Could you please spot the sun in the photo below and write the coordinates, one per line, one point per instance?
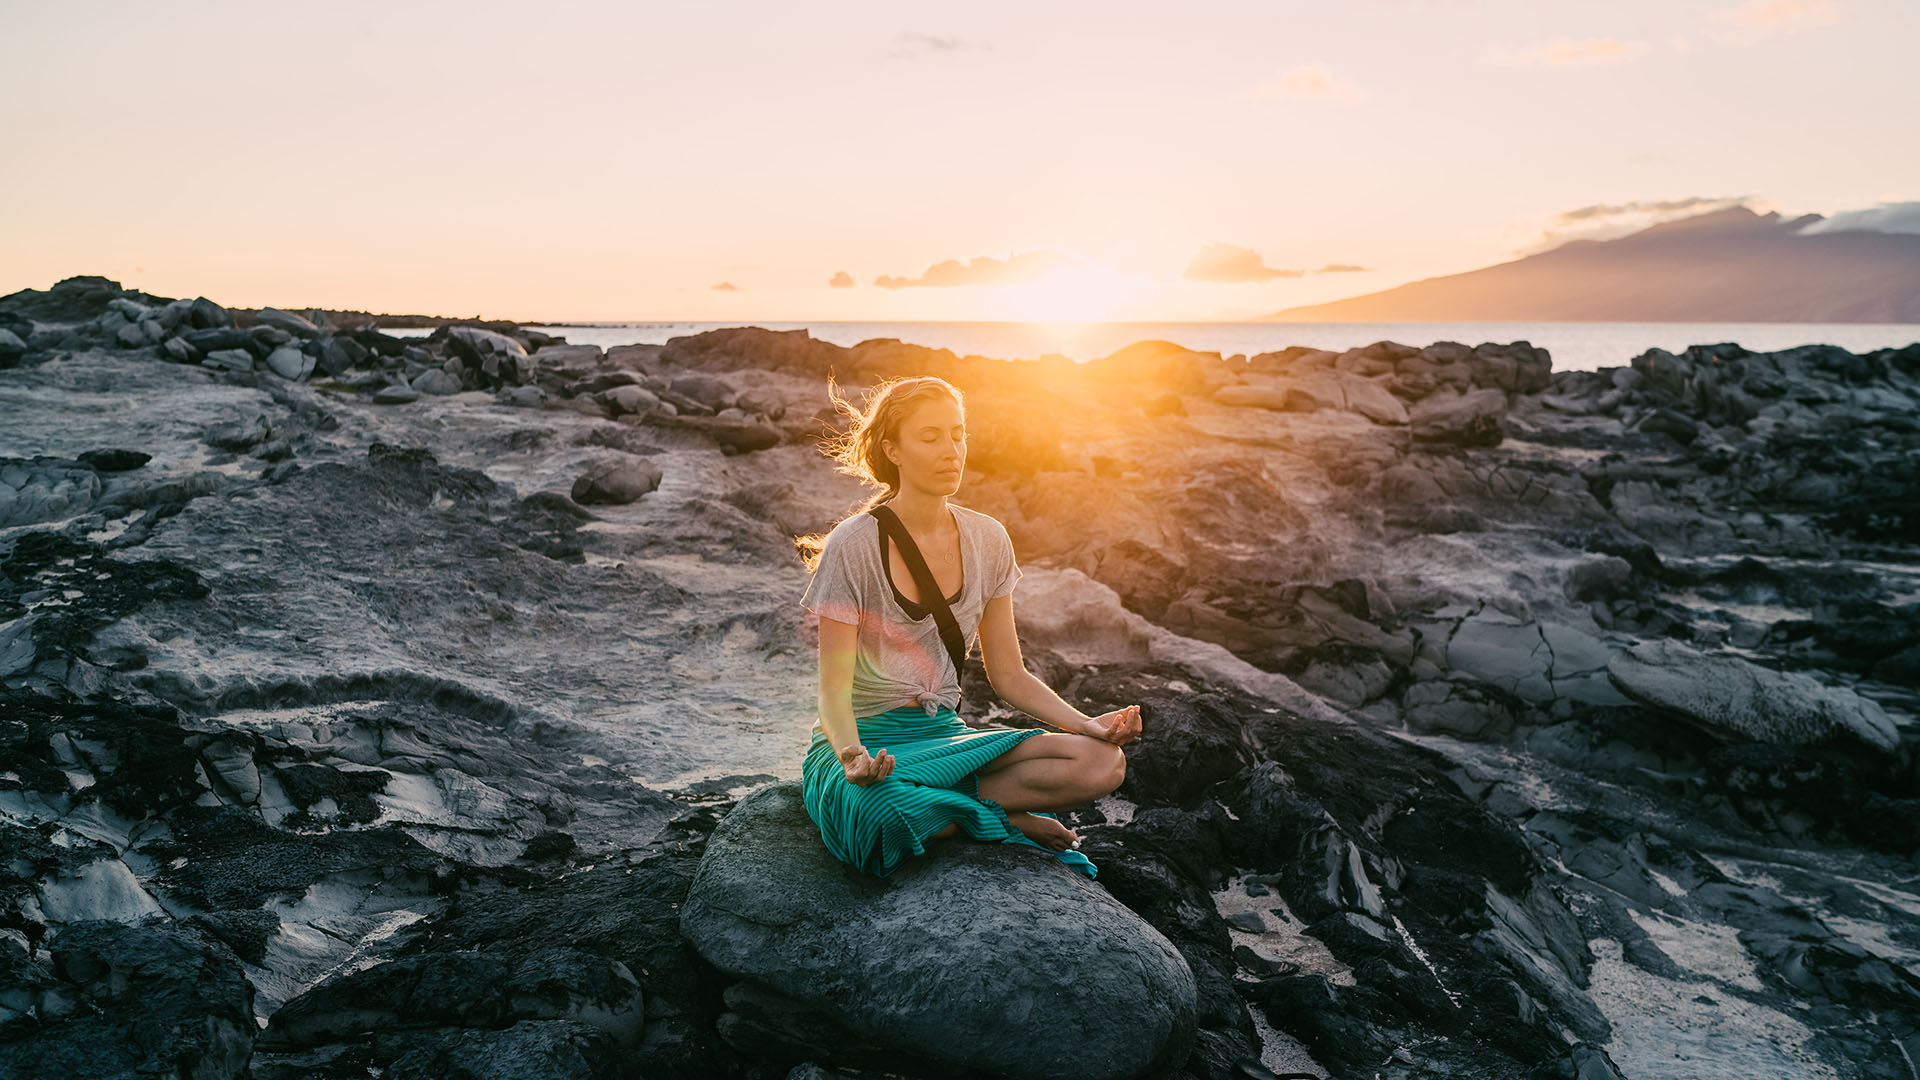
(1075, 293)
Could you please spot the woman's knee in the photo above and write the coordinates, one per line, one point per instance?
(1104, 765)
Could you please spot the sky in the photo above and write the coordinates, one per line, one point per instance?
(894, 162)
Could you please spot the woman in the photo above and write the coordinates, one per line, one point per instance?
(890, 765)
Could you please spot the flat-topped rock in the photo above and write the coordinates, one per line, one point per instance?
(982, 957)
(1731, 696)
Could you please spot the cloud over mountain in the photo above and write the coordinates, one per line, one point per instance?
(841, 280)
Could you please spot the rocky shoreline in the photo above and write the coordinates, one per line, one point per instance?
(433, 705)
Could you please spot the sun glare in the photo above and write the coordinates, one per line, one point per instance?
(1080, 293)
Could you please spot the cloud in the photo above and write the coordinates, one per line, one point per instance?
(1666, 207)
(1888, 217)
(841, 280)
(911, 44)
(1311, 81)
(1343, 268)
(984, 270)
(1233, 265)
(1605, 221)
(726, 286)
(1756, 20)
(1566, 52)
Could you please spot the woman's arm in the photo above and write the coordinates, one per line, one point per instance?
(1007, 671)
(838, 642)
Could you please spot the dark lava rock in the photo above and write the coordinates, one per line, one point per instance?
(967, 958)
(114, 460)
(122, 1001)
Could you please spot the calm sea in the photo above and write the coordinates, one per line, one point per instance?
(1580, 346)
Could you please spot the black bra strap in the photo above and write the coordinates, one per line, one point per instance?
(923, 580)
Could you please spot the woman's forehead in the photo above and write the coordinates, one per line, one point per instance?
(938, 410)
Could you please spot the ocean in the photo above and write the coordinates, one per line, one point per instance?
(1577, 346)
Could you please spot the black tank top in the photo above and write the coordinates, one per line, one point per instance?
(914, 611)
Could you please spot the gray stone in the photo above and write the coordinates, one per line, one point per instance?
(617, 484)
(395, 395)
(1731, 696)
(289, 362)
(969, 957)
(436, 381)
(288, 321)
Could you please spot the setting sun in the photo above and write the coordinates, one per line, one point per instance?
(1078, 293)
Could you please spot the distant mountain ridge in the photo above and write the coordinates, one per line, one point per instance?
(1730, 265)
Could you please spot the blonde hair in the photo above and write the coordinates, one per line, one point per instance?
(858, 450)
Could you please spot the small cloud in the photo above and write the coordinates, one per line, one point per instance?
(841, 280)
(1310, 81)
(1678, 43)
(726, 286)
(1343, 268)
(1888, 217)
(911, 44)
(984, 270)
(1756, 20)
(1566, 52)
(1233, 265)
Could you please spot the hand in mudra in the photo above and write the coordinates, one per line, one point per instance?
(1119, 727)
(863, 770)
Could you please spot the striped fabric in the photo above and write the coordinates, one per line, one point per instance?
(933, 783)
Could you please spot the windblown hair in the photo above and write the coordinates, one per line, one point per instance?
(858, 450)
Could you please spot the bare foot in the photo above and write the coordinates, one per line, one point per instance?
(1045, 831)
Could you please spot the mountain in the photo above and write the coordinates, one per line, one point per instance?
(1726, 266)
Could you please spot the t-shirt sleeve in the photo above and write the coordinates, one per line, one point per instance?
(1010, 567)
(834, 590)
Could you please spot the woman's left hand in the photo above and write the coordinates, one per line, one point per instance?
(1119, 727)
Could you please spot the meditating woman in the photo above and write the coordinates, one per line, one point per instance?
(891, 766)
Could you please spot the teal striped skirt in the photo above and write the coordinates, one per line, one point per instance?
(933, 784)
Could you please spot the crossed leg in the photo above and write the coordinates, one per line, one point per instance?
(1050, 771)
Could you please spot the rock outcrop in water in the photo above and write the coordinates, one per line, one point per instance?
(367, 737)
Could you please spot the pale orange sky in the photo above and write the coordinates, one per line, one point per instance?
(617, 161)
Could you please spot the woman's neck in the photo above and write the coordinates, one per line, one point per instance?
(922, 513)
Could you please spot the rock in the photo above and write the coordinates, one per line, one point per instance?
(45, 489)
(464, 989)
(1457, 707)
(1669, 422)
(617, 484)
(121, 1001)
(290, 363)
(229, 360)
(523, 397)
(529, 1050)
(236, 435)
(711, 391)
(395, 395)
(1475, 418)
(204, 314)
(1735, 698)
(629, 399)
(436, 381)
(1354, 393)
(114, 460)
(967, 957)
(288, 321)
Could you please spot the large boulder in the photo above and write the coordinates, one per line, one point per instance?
(987, 958)
(1732, 697)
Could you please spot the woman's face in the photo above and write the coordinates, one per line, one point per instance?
(931, 449)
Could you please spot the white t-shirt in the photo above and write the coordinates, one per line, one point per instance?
(900, 660)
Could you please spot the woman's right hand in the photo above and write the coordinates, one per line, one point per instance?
(864, 770)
